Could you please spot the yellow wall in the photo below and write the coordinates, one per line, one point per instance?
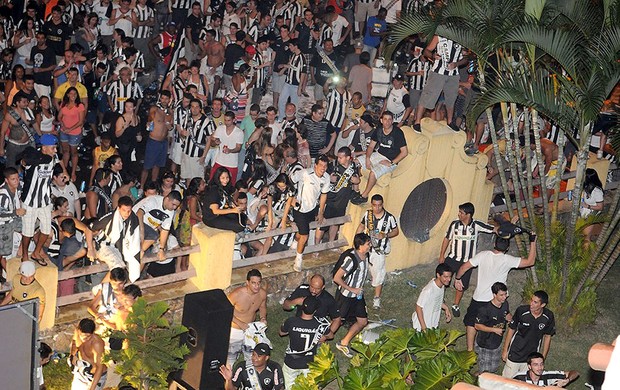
(436, 153)
(213, 263)
(48, 278)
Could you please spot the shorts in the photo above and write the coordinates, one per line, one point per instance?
(191, 167)
(488, 359)
(351, 307)
(378, 168)
(454, 266)
(308, 59)
(6, 238)
(436, 84)
(513, 368)
(156, 269)
(72, 140)
(155, 154)
(377, 268)
(318, 92)
(302, 220)
(365, 10)
(472, 312)
(290, 374)
(277, 82)
(333, 211)
(176, 150)
(150, 233)
(414, 97)
(42, 214)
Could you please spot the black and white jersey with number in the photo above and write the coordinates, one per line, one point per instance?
(120, 92)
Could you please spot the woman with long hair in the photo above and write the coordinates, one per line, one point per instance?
(591, 202)
(168, 183)
(220, 211)
(46, 117)
(71, 117)
(98, 196)
(126, 130)
(239, 91)
(24, 40)
(279, 200)
(15, 84)
(115, 165)
(190, 214)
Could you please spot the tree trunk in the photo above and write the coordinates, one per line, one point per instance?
(546, 254)
(582, 161)
(558, 176)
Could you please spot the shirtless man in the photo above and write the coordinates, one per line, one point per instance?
(214, 58)
(156, 153)
(247, 300)
(87, 348)
(18, 137)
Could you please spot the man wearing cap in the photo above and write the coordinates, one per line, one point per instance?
(305, 333)
(20, 129)
(26, 287)
(259, 373)
(397, 101)
(493, 266)
(363, 135)
(37, 197)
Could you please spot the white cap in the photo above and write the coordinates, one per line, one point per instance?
(27, 268)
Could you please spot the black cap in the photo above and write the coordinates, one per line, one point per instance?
(311, 303)
(262, 349)
(368, 118)
(399, 77)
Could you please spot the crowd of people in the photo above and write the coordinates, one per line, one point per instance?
(176, 112)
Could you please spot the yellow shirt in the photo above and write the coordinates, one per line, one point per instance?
(62, 89)
(22, 293)
(101, 156)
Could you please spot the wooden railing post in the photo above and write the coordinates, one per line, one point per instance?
(213, 263)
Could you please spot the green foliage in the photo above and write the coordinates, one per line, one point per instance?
(550, 280)
(400, 359)
(153, 349)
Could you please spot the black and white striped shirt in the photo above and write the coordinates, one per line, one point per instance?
(463, 238)
(180, 117)
(417, 65)
(9, 202)
(143, 14)
(353, 277)
(119, 92)
(203, 33)
(261, 74)
(449, 52)
(139, 62)
(199, 131)
(373, 226)
(275, 12)
(71, 9)
(182, 4)
(37, 191)
(297, 65)
(178, 87)
(337, 107)
(294, 11)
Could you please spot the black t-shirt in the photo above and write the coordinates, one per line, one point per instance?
(529, 332)
(494, 317)
(43, 58)
(322, 71)
(327, 303)
(304, 336)
(196, 24)
(57, 34)
(282, 53)
(213, 196)
(232, 54)
(357, 140)
(307, 44)
(271, 378)
(388, 145)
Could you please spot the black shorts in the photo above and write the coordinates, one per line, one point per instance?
(472, 312)
(333, 212)
(351, 307)
(454, 266)
(302, 220)
(155, 269)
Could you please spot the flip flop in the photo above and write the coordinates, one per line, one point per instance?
(41, 262)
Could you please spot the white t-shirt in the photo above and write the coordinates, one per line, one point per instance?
(229, 160)
(155, 214)
(595, 197)
(70, 192)
(276, 130)
(430, 300)
(390, 18)
(338, 27)
(492, 267)
(309, 188)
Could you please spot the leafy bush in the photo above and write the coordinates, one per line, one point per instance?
(398, 359)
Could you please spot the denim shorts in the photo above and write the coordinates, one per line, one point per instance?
(72, 140)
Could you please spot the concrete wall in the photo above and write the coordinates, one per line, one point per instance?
(436, 153)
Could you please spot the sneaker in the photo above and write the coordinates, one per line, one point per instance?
(297, 264)
(294, 245)
(417, 128)
(344, 349)
(359, 200)
(376, 303)
(454, 127)
(456, 311)
(599, 154)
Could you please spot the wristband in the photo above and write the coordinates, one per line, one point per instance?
(455, 278)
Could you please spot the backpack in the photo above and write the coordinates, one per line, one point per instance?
(341, 260)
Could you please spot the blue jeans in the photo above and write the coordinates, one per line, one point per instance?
(288, 90)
